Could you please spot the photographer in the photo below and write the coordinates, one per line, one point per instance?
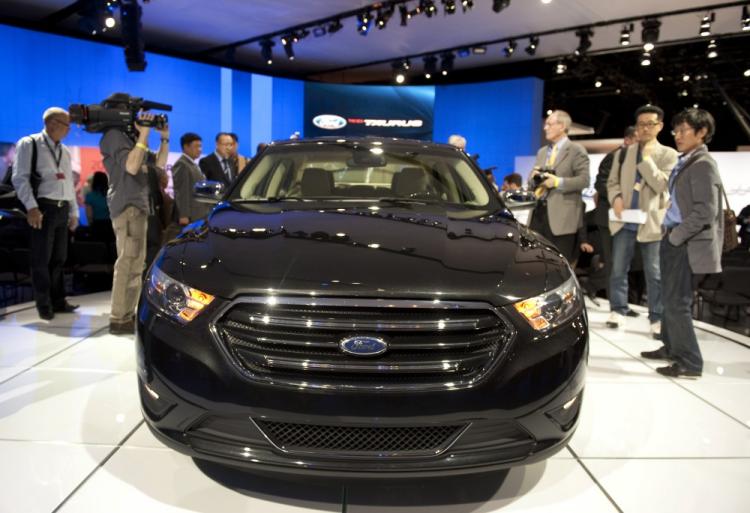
(560, 173)
(126, 153)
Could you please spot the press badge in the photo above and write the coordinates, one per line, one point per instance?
(637, 187)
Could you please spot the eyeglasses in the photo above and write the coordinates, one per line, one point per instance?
(682, 130)
(648, 124)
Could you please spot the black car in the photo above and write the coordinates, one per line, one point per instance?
(362, 308)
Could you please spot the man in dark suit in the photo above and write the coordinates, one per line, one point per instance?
(185, 173)
(692, 244)
(220, 166)
(559, 212)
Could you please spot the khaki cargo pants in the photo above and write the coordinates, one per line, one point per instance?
(130, 235)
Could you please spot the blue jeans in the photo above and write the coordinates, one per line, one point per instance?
(677, 331)
(623, 246)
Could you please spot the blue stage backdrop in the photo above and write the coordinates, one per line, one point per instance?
(350, 110)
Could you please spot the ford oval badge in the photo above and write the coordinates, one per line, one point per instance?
(329, 122)
(364, 346)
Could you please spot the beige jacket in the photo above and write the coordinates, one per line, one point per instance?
(654, 193)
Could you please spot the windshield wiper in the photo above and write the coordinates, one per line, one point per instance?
(409, 201)
(272, 199)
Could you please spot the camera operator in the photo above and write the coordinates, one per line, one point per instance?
(126, 154)
(43, 180)
(560, 173)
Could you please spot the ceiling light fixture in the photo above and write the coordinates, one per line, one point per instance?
(625, 35)
(510, 48)
(384, 15)
(712, 51)
(705, 27)
(584, 40)
(499, 5)
(449, 6)
(335, 26)
(446, 63)
(467, 5)
(479, 50)
(650, 33)
(399, 73)
(598, 83)
(428, 7)
(405, 15)
(646, 59)
(364, 20)
(287, 42)
(533, 44)
(266, 51)
(561, 67)
(745, 20)
(430, 66)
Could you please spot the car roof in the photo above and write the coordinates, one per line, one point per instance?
(390, 141)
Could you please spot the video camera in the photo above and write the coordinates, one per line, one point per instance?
(119, 110)
(544, 173)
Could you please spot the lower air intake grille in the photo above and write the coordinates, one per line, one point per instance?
(360, 441)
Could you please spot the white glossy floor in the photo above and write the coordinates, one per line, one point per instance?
(72, 437)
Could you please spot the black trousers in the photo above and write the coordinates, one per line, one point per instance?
(540, 223)
(49, 249)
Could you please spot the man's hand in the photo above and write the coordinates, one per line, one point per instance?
(534, 172)
(549, 183)
(618, 206)
(586, 247)
(144, 116)
(648, 149)
(34, 218)
(72, 224)
(164, 132)
(184, 221)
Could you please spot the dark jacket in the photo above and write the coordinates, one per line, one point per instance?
(213, 170)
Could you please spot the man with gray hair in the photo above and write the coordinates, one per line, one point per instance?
(43, 180)
(458, 141)
(560, 173)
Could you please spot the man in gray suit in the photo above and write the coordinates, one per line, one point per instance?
(185, 173)
(692, 245)
(639, 182)
(563, 168)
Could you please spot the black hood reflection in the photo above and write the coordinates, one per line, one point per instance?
(365, 250)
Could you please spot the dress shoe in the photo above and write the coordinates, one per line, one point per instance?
(65, 308)
(122, 328)
(615, 320)
(656, 330)
(678, 371)
(632, 313)
(46, 314)
(659, 354)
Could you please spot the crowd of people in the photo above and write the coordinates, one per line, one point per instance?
(648, 196)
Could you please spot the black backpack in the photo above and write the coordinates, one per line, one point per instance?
(34, 179)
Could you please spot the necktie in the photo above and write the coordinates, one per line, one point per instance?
(227, 169)
(552, 156)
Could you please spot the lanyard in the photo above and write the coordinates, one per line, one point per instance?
(56, 156)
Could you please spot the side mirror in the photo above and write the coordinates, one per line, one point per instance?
(208, 191)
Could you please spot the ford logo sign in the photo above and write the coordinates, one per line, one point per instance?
(364, 346)
(329, 122)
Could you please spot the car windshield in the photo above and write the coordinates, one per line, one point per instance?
(368, 170)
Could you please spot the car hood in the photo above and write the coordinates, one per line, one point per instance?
(416, 251)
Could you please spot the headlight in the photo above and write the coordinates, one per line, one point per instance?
(179, 301)
(552, 308)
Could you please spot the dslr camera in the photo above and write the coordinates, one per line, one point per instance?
(119, 110)
(544, 173)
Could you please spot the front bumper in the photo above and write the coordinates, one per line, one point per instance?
(198, 402)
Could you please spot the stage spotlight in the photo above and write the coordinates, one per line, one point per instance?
(132, 36)
(650, 33)
(467, 5)
(364, 20)
(449, 6)
(561, 67)
(430, 66)
(745, 21)
(404, 13)
(499, 5)
(428, 7)
(463, 52)
(446, 63)
(287, 42)
(746, 73)
(712, 51)
(598, 83)
(584, 40)
(384, 15)
(510, 47)
(705, 27)
(646, 59)
(319, 31)
(266, 50)
(399, 74)
(625, 35)
(479, 50)
(335, 26)
(533, 43)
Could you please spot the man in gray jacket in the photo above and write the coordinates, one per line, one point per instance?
(564, 169)
(185, 173)
(692, 245)
(639, 182)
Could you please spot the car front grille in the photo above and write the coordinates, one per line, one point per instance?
(430, 345)
(359, 441)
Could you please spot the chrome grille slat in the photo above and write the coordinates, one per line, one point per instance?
(296, 341)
